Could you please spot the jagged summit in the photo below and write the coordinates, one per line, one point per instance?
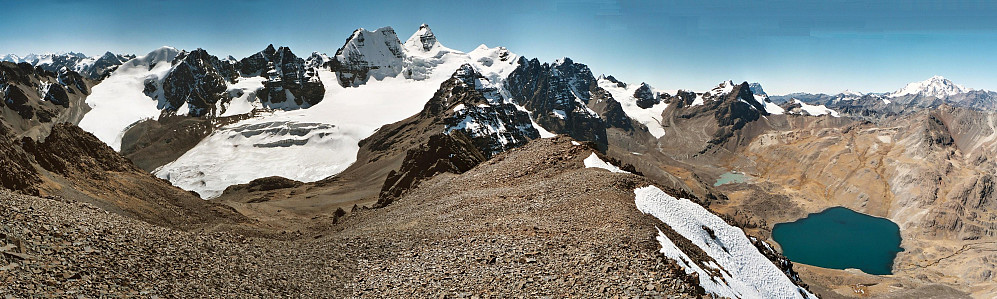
(612, 79)
(646, 96)
(756, 88)
(936, 86)
(423, 40)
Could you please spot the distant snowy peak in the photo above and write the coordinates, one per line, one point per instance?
(495, 62)
(368, 54)
(317, 60)
(936, 86)
(756, 88)
(722, 89)
(718, 92)
(423, 40)
(12, 58)
(91, 67)
(848, 92)
(162, 54)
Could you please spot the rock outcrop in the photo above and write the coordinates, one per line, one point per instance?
(558, 95)
(33, 99)
(199, 81)
(442, 153)
(645, 97)
(291, 83)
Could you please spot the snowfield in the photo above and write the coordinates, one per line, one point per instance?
(817, 110)
(593, 161)
(230, 156)
(737, 269)
(118, 102)
(650, 117)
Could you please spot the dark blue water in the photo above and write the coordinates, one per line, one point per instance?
(840, 238)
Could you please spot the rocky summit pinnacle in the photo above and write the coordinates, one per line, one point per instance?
(424, 38)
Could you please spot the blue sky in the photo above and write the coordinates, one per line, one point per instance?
(788, 46)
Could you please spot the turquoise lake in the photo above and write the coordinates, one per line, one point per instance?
(730, 178)
(840, 238)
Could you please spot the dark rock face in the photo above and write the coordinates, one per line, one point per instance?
(197, 79)
(467, 104)
(37, 97)
(739, 108)
(558, 95)
(272, 183)
(936, 133)
(318, 60)
(756, 89)
(645, 97)
(256, 64)
(427, 38)
(69, 149)
(729, 107)
(610, 111)
(368, 54)
(291, 83)
(453, 153)
(16, 99)
(466, 122)
(18, 173)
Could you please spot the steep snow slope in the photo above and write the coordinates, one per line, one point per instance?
(118, 101)
(650, 117)
(340, 121)
(737, 268)
(770, 107)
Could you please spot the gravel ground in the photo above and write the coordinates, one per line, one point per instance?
(532, 222)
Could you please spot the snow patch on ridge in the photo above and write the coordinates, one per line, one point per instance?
(817, 110)
(770, 107)
(739, 271)
(593, 161)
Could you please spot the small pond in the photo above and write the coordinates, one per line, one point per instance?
(840, 238)
(731, 178)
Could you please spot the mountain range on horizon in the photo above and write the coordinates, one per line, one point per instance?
(936, 86)
(401, 168)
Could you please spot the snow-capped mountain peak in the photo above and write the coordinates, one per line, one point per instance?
(849, 92)
(368, 54)
(722, 89)
(756, 88)
(12, 58)
(936, 86)
(423, 40)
